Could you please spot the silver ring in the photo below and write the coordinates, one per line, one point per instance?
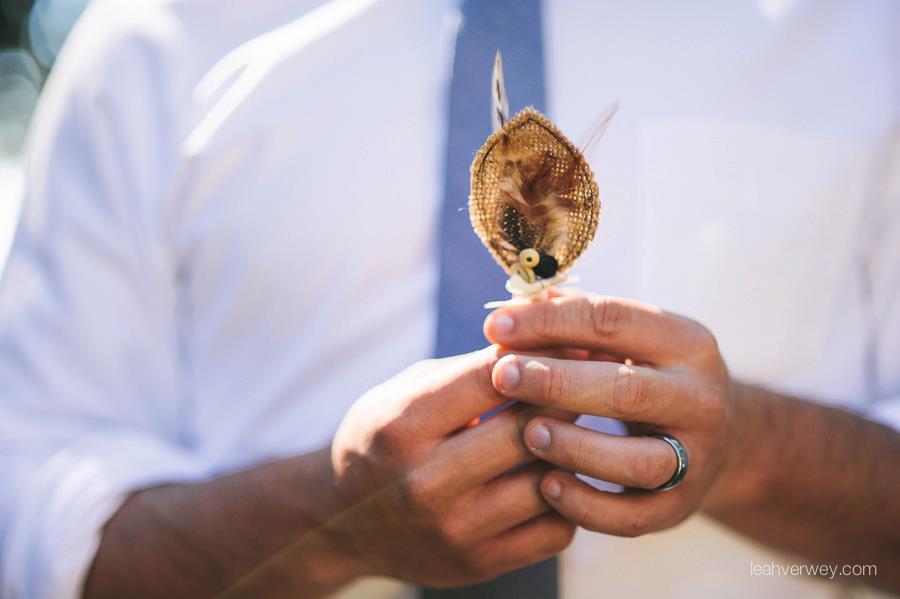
(682, 457)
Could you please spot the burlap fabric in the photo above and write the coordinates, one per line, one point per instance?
(532, 188)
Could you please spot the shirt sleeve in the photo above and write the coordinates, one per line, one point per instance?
(882, 267)
(90, 394)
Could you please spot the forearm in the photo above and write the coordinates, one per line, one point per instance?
(813, 480)
(260, 532)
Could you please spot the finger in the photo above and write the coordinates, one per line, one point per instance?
(560, 353)
(484, 452)
(453, 391)
(638, 462)
(602, 356)
(457, 390)
(506, 502)
(632, 393)
(620, 514)
(529, 543)
(622, 327)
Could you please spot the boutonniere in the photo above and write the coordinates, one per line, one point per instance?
(534, 200)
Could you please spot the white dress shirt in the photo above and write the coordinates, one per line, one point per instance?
(229, 235)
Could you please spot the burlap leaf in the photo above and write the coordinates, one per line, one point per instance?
(532, 188)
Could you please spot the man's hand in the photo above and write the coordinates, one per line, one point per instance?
(661, 372)
(803, 477)
(407, 489)
(431, 500)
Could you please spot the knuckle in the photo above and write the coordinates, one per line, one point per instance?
(387, 439)
(676, 518)
(564, 537)
(556, 382)
(545, 318)
(649, 471)
(584, 518)
(557, 537)
(629, 393)
(451, 533)
(636, 525)
(552, 320)
(709, 397)
(581, 454)
(704, 341)
(607, 317)
(714, 405)
(472, 564)
(568, 536)
(420, 489)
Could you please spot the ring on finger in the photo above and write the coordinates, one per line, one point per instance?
(682, 457)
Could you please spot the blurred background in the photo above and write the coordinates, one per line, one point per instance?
(31, 35)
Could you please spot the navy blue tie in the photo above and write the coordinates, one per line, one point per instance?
(468, 274)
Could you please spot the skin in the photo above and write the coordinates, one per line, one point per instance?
(816, 481)
(407, 489)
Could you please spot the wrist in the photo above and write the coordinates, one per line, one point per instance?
(741, 480)
(300, 505)
(322, 509)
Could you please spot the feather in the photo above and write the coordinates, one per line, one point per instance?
(532, 188)
(596, 132)
(534, 200)
(499, 101)
(535, 187)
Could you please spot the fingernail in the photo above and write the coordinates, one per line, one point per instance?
(553, 490)
(502, 325)
(538, 437)
(509, 376)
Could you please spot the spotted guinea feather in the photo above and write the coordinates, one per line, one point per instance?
(534, 186)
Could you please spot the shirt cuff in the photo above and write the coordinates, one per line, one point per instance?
(886, 411)
(62, 504)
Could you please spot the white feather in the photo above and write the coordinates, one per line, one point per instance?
(499, 101)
